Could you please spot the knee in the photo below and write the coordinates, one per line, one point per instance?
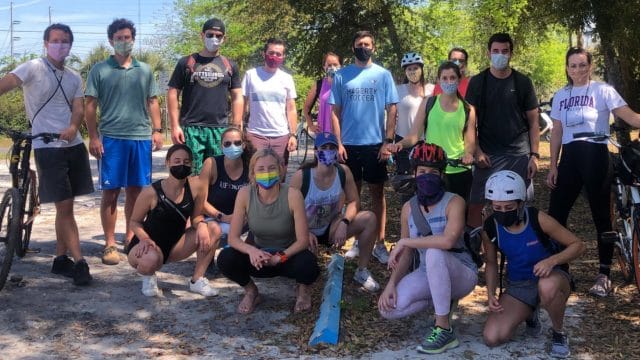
(368, 218)
(548, 291)
(149, 264)
(491, 337)
(225, 259)
(435, 256)
(214, 230)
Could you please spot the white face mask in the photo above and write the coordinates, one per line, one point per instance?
(499, 61)
(212, 44)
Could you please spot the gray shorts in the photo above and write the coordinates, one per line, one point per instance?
(518, 164)
(526, 291)
(63, 173)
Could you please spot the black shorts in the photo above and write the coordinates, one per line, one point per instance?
(363, 162)
(63, 173)
(526, 291)
(165, 246)
(324, 237)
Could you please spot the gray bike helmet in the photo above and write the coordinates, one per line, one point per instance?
(411, 58)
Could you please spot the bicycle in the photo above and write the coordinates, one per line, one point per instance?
(20, 203)
(546, 124)
(306, 140)
(625, 205)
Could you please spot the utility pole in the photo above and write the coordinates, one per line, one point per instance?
(49, 15)
(11, 29)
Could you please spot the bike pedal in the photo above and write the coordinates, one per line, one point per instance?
(609, 237)
(33, 250)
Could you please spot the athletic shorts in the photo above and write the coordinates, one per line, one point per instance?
(165, 245)
(204, 142)
(363, 162)
(63, 173)
(526, 291)
(518, 164)
(125, 163)
(277, 143)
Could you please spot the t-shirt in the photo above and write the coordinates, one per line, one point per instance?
(40, 81)
(267, 94)
(408, 107)
(205, 92)
(585, 109)
(322, 206)
(462, 87)
(363, 94)
(445, 129)
(503, 127)
(122, 96)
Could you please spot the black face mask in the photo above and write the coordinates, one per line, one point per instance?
(363, 54)
(180, 171)
(507, 218)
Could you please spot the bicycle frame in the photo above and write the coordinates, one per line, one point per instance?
(20, 164)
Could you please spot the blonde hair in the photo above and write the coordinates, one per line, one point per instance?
(261, 154)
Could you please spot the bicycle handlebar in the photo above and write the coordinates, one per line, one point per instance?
(16, 135)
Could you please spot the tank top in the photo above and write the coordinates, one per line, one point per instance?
(523, 250)
(324, 108)
(271, 224)
(437, 219)
(222, 193)
(322, 206)
(445, 129)
(167, 220)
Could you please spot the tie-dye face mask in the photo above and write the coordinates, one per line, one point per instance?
(267, 179)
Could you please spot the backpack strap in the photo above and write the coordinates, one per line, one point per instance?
(418, 219)
(431, 102)
(342, 175)
(227, 65)
(306, 179)
(190, 67)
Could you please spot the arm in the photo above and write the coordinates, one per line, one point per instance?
(296, 206)
(90, 109)
(470, 137)
(390, 133)
(534, 140)
(177, 136)
(154, 112)
(308, 104)
(237, 107)
(292, 118)
(556, 144)
(209, 175)
(203, 241)
(9, 82)
(352, 200)
(574, 247)
(336, 111)
(144, 203)
(491, 272)
(77, 113)
(629, 116)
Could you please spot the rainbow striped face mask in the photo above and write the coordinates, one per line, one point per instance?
(267, 179)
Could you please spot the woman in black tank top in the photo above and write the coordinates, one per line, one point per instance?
(159, 221)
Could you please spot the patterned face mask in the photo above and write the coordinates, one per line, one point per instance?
(267, 179)
(327, 157)
(430, 189)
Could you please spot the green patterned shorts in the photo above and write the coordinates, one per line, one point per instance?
(204, 142)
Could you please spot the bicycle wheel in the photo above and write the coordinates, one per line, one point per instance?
(9, 231)
(635, 252)
(30, 211)
(621, 222)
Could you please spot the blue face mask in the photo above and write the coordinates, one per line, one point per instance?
(327, 157)
(449, 88)
(499, 61)
(430, 188)
(232, 151)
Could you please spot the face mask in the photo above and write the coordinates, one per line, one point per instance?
(457, 62)
(273, 61)
(507, 218)
(430, 189)
(499, 61)
(327, 157)
(267, 179)
(449, 88)
(414, 76)
(363, 54)
(58, 51)
(180, 171)
(232, 151)
(212, 44)
(123, 48)
(331, 71)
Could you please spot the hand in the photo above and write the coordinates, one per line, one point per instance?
(258, 258)
(392, 148)
(69, 133)
(494, 304)
(544, 267)
(340, 235)
(292, 145)
(394, 256)
(467, 159)
(388, 299)
(157, 141)
(482, 159)
(273, 260)
(95, 148)
(177, 136)
(226, 218)
(311, 127)
(313, 243)
(533, 167)
(552, 177)
(342, 154)
(143, 247)
(383, 154)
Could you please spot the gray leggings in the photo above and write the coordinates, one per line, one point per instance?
(442, 279)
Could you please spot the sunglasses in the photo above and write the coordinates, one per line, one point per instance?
(462, 61)
(228, 143)
(274, 53)
(210, 35)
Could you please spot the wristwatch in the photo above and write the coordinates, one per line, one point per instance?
(157, 130)
(345, 221)
(219, 216)
(294, 136)
(535, 155)
(283, 256)
(388, 140)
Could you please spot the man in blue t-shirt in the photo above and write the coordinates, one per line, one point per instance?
(360, 94)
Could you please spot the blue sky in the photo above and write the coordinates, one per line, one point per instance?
(88, 20)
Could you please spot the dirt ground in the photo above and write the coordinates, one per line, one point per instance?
(44, 316)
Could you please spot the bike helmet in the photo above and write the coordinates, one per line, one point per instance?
(411, 58)
(505, 185)
(431, 155)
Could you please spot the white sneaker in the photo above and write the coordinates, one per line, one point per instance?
(380, 252)
(150, 286)
(366, 280)
(202, 287)
(354, 252)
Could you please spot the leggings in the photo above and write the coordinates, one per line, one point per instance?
(585, 164)
(442, 279)
(236, 266)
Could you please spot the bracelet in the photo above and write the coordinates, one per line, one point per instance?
(219, 216)
(388, 140)
(283, 257)
(535, 155)
(157, 130)
(293, 136)
(346, 221)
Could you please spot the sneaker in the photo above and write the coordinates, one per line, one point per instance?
(202, 287)
(354, 252)
(81, 275)
(62, 265)
(366, 280)
(559, 345)
(602, 287)
(534, 327)
(110, 256)
(380, 252)
(150, 286)
(438, 341)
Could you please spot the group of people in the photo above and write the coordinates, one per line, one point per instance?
(225, 179)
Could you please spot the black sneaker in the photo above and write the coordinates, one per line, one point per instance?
(63, 265)
(81, 274)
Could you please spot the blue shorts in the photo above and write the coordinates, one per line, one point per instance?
(124, 163)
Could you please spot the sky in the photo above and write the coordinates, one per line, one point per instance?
(88, 20)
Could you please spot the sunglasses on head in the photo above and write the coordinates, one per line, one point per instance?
(210, 35)
(228, 143)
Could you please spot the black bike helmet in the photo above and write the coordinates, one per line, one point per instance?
(431, 155)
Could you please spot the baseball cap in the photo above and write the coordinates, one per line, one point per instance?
(325, 138)
(213, 24)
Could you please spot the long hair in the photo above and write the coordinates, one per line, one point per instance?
(573, 51)
(248, 146)
(451, 65)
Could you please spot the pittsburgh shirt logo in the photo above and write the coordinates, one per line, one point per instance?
(208, 75)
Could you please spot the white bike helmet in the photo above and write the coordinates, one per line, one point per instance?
(505, 185)
(411, 58)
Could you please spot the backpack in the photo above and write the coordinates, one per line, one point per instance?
(431, 102)
(471, 239)
(490, 227)
(191, 64)
(306, 179)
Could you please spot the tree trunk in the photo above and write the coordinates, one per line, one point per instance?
(393, 32)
